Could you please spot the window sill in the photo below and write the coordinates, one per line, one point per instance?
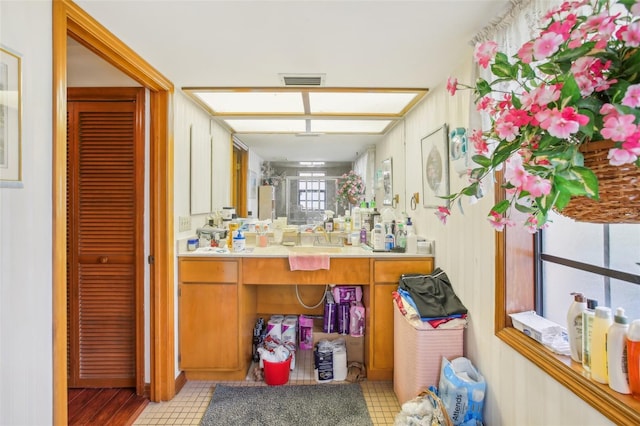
(621, 409)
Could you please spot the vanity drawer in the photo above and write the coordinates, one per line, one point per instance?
(389, 271)
(208, 271)
(270, 271)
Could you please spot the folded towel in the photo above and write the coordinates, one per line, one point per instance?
(308, 262)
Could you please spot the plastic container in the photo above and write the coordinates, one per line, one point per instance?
(601, 324)
(239, 241)
(617, 353)
(574, 325)
(633, 357)
(587, 324)
(277, 373)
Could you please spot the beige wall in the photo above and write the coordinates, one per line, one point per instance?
(518, 392)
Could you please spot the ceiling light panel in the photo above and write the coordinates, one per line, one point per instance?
(349, 126)
(267, 126)
(253, 102)
(359, 102)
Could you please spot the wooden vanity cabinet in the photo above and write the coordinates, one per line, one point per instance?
(209, 317)
(386, 274)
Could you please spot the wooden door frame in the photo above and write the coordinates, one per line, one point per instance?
(70, 20)
(239, 179)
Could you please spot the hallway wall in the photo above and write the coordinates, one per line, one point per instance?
(25, 228)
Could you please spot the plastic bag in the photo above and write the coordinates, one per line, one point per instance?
(462, 389)
(426, 409)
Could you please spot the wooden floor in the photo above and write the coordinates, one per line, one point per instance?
(105, 406)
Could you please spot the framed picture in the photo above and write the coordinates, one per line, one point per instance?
(387, 182)
(435, 167)
(10, 118)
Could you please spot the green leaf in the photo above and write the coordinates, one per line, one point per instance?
(549, 68)
(482, 87)
(504, 151)
(562, 200)
(570, 91)
(503, 70)
(481, 160)
(570, 187)
(501, 207)
(569, 55)
(523, 208)
(589, 181)
(470, 190)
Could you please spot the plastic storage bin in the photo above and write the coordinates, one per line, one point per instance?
(417, 355)
(276, 373)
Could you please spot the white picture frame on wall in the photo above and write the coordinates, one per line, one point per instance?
(435, 167)
(10, 118)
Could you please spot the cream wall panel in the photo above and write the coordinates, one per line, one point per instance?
(518, 393)
(26, 379)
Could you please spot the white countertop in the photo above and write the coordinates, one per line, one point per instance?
(284, 251)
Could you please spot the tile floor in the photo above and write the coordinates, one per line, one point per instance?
(188, 407)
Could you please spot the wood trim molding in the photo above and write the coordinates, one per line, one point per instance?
(69, 20)
(514, 292)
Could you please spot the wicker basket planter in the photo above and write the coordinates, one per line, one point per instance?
(619, 188)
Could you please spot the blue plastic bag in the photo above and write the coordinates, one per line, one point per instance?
(462, 389)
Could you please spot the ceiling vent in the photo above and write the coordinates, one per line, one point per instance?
(297, 80)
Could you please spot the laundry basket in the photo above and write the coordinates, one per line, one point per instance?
(417, 355)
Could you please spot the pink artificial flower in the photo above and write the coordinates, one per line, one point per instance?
(518, 117)
(537, 186)
(479, 142)
(514, 172)
(452, 85)
(498, 222)
(619, 156)
(631, 34)
(561, 124)
(485, 52)
(546, 45)
(608, 110)
(506, 130)
(618, 128)
(632, 144)
(525, 53)
(632, 96)
(442, 213)
(635, 9)
(485, 103)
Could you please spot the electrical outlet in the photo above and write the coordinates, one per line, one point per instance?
(184, 223)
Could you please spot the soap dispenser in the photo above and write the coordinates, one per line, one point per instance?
(617, 353)
(574, 325)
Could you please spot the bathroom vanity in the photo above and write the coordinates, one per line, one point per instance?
(222, 295)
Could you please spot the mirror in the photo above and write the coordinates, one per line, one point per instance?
(387, 182)
(200, 169)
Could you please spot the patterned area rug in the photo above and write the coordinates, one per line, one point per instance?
(304, 405)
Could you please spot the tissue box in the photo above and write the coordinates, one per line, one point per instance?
(535, 326)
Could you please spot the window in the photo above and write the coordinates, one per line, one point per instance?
(515, 292)
(312, 191)
(602, 261)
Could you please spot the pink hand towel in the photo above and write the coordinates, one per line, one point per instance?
(308, 262)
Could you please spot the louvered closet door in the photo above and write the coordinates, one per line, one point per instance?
(105, 199)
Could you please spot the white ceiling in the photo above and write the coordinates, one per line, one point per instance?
(355, 43)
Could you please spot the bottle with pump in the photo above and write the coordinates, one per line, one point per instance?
(617, 353)
(587, 325)
(633, 357)
(377, 236)
(601, 324)
(328, 224)
(238, 241)
(574, 325)
(412, 238)
(401, 237)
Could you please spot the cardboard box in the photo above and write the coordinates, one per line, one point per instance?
(355, 345)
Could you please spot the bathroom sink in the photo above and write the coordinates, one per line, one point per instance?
(315, 249)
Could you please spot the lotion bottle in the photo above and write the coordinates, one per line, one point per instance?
(633, 357)
(587, 325)
(601, 324)
(617, 353)
(412, 238)
(574, 325)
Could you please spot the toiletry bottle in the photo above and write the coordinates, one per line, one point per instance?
(389, 241)
(574, 325)
(347, 222)
(617, 353)
(601, 324)
(412, 238)
(356, 220)
(328, 224)
(375, 214)
(401, 238)
(377, 235)
(238, 241)
(633, 357)
(363, 235)
(587, 324)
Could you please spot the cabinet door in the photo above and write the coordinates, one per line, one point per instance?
(209, 327)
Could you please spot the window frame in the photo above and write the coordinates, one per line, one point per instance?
(515, 270)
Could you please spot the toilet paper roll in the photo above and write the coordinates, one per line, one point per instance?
(339, 363)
